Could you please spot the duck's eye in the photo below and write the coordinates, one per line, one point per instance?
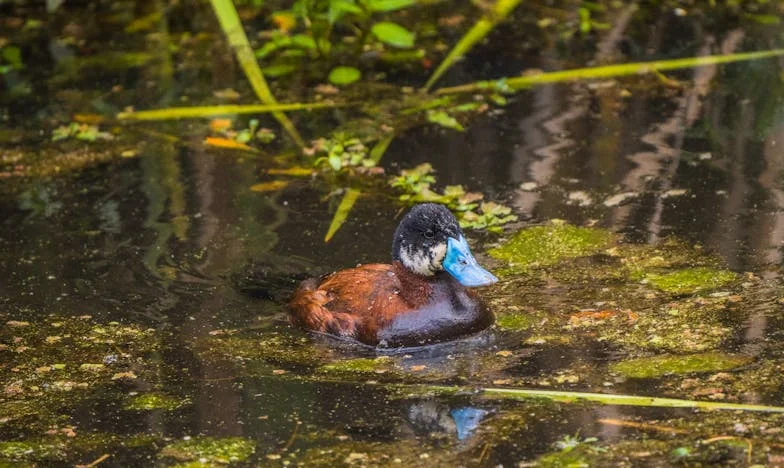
(430, 234)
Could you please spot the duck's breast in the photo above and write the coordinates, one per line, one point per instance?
(452, 312)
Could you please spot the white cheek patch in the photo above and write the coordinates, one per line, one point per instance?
(418, 262)
(439, 252)
(424, 263)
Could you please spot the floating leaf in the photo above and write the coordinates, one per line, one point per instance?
(220, 125)
(342, 76)
(292, 171)
(227, 143)
(271, 186)
(393, 34)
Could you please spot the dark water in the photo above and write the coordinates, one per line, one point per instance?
(173, 239)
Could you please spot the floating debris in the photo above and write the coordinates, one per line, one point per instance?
(620, 199)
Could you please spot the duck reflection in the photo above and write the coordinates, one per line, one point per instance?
(430, 416)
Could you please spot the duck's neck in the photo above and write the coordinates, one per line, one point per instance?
(414, 288)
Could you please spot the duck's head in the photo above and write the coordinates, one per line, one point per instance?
(429, 240)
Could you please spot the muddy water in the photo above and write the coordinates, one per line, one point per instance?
(171, 243)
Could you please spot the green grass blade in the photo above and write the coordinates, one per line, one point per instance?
(486, 23)
(609, 71)
(350, 197)
(232, 28)
(407, 390)
(348, 201)
(380, 148)
(213, 111)
(623, 400)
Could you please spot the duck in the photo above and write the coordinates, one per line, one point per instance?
(424, 296)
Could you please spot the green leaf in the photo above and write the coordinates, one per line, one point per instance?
(445, 120)
(388, 5)
(342, 213)
(344, 75)
(393, 34)
(12, 55)
(335, 162)
(338, 8)
(279, 70)
(303, 41)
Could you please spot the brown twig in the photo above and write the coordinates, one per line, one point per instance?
(485, 451)
(293, 436)
(642, 425)
(96, 462)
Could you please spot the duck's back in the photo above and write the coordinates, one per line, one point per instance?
(354, 303)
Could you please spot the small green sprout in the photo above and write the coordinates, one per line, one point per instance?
(79, 131)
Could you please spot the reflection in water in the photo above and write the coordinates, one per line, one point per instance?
(430, 416)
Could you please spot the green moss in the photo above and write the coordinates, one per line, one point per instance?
(153, 401)
(547, 245)
(516, 321)
(360, 365)
(658, 366)
(691, 280)
(208, 449)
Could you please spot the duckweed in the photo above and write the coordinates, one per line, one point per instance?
(210, 450)
(658, 366)
(691, 280)
(547, 245)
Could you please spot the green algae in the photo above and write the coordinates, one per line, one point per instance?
(380, 364)
(32, 450)
(271, 347)
(691, 325)
(516, 321)
(691, 280)
(658, 366)
(55, 364)
(154, 401)
(541, 246)
(210, 450)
